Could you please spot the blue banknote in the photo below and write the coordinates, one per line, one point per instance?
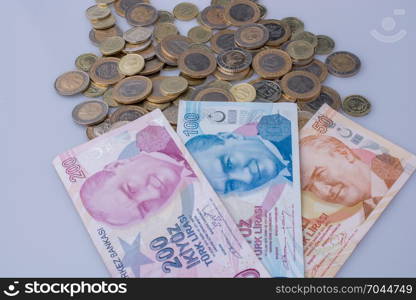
(250, 154)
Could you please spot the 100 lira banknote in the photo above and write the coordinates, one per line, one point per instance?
(149, 209)
(250, 155)
(349, 176)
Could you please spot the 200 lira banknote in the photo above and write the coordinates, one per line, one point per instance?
(149, 209)
(349, 175)
(250, 155)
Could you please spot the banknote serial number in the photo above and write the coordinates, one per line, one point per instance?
(73, 169)
(191, 124)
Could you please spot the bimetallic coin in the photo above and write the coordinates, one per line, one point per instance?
(121, 6)
(163, 58)
(149, 106)
(163, 30)
(171, 114)
(301, 86)
(90, 113)
(327, 96)
(108, 2)
(132, 89)
(119, 124)
(103, 24)
(267, 91)
(165, 17)
(174, 45)
(98, 130)
(325, 45)
(242, 12)
(214, 17)
(151, 67)
(137, 35)
(214, 94)
(173, 86)
(131, 64)
(135, 48)
(94, 90)
(98, 12)
(300, 50)
(157, 95)
(279, 32)
(272, 63)
(200, 34)
(234, 61)
(105, 71)
(252, 36)
(200, 46)
(356, 106)
(223, 40)
(112, 45)
(127, 113)
(316, 67)
(85, 61)
(305, 36)
(197, 63)
(295, 24)
(193, 81)
(243, 92)
(303, 118)
(221, 2)
(98, 36)
(185, 11)
(141, 15)
(343, 64)
(108, 98)
(72, 83)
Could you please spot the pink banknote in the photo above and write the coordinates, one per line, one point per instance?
(349, 175)
(148, 208)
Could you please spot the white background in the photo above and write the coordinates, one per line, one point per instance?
(41, 233)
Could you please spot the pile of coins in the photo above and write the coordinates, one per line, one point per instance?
(233, 42)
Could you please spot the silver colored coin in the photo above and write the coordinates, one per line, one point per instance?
(137, 35)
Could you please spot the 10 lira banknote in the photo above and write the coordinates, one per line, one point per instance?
(149, 209)
(250, 155)
(349, 175)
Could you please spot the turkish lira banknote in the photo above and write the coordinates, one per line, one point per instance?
(250, 155)
(149, 209)
(349, 175)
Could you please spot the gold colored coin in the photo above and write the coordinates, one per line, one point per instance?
(137, 35)
(108, 98)
(242, 12)
(305, 36)
(94, 90)
(98, 130)
(85, 61)
(72, 83)
(98, 36)
(272, 63)
(157, 95)
(173, 86)
(151, 67)
(300, 50)
(107, 2)
(165, 17)
(303, 118)
(221, 84)
(163, 30)
(98, 12)
(105, 71)
(243, 92)
(132, 89)
(193, 81)
(131, 64)
(185, 11)
(103, 24)
(200, 34)
(112, 45)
